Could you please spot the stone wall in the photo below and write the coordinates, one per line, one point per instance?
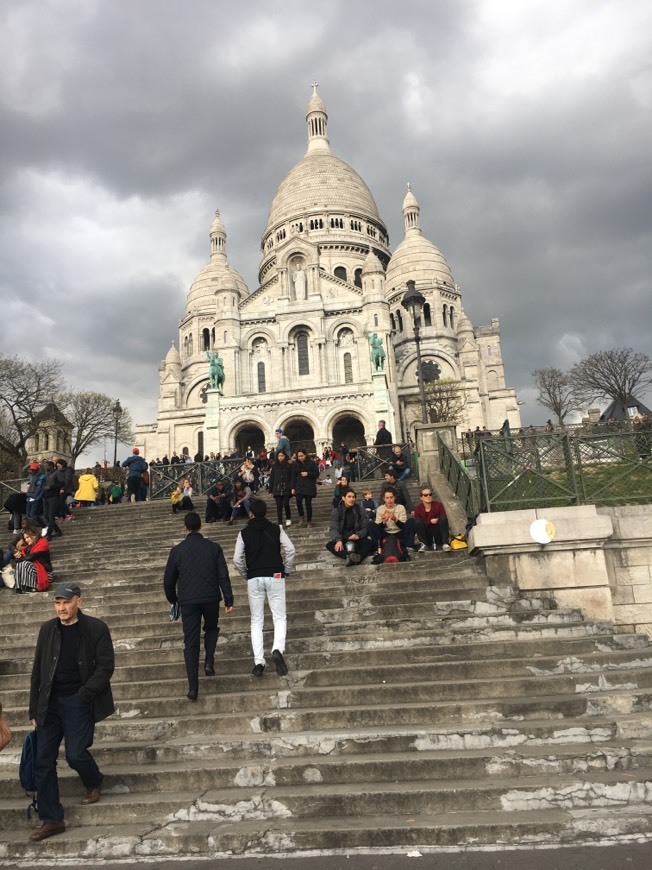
(628, 555)
(599, 560)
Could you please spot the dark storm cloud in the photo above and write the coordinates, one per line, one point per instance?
(524, 129)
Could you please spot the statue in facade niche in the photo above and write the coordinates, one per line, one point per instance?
(299, 280)
(215, 371)
(377, 352)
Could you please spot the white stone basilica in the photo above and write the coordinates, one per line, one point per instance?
(296, 351)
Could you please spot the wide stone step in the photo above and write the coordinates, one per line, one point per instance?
(425, 766)
(563, 792)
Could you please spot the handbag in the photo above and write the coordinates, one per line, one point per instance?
(9, 577)
(5, 733)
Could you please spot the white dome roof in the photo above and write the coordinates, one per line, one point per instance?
(418, 259)
(217, 275)
(319, 182)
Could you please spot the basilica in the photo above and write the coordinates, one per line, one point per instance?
(322, 348)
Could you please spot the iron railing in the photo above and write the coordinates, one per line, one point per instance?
(561, 468)
(463, 483)
(163, 479)
(372, 462)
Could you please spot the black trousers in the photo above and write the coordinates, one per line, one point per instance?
(308, 501)
(364, 546)
(429, 534)
(282, 503)
(191, 618)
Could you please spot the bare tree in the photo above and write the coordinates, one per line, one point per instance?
(445, 400)
(25, 389)
(556, 392)
(620, 374)
(91, 415)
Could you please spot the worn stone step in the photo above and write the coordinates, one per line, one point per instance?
(186, 773)
(611, 788)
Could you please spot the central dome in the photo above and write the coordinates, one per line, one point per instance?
(321, 181)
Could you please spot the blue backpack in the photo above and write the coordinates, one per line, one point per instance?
(27, 770)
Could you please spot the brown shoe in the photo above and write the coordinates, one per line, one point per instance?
(92, 795)
(48, 829)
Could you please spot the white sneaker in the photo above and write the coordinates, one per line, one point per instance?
(421, 548)
(289, 523)
(446, 548)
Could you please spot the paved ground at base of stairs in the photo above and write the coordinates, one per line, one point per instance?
(637, 856)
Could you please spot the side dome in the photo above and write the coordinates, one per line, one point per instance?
(213, 277)
(217, 275)
(416, 258)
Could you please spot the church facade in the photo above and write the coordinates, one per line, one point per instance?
(322, 348)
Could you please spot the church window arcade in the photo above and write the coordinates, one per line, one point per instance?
(337, 223)
(357, 280)
(317, 224)
(206, 339)
(340, 272)
(356, 226)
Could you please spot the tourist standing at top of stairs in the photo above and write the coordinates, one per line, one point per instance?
(135, 465)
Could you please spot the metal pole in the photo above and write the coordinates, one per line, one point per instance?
(115, 441)
(422, 392)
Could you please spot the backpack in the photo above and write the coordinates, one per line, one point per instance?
(458, 542)
(27, 770)
(392, 551)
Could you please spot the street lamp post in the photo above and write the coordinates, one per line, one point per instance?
(117, 413)
(413, 303)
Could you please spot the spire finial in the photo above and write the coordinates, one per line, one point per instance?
(314, 86)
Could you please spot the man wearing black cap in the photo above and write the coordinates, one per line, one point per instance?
(70, 691)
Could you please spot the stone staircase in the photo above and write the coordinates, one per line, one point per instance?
(422, 708)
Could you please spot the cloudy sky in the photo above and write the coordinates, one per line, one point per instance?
(524, 127)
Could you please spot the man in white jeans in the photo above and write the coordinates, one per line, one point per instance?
(264, 555)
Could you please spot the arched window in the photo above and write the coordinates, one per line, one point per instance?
(261, 377)
(340, 272)
(399, 318)
(185, 346)
(46, 439)
(375, 320)
(302, 353)
(206, 338)
(213, 337)
(444, 313)
(348, 369)
(190, 344)
(358, 278)
(452, 316)
(36, 442)
(393, 322)
(427, 316)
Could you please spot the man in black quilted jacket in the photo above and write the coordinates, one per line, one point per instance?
(197, 577)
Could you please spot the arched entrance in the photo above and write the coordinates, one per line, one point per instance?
(249, 435)
(300, 434)
(349, 430)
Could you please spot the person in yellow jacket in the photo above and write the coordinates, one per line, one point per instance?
(87, 490)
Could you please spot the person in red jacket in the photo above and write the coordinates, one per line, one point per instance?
(431, 522)
(33, 566)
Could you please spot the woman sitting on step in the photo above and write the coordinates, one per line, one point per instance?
(32, 564)
(181, 498)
